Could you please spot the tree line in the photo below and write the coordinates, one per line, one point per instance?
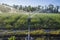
(42, 9)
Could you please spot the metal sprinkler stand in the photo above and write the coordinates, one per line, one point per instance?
(29, 20)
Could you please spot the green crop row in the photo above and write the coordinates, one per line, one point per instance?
(35, 32)
(37, 21)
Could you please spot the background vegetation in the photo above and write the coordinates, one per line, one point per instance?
(38, 9)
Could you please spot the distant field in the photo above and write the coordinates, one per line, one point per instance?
(38, 20)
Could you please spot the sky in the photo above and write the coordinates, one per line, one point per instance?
(31, 2)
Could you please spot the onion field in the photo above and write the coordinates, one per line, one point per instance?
(38, 20)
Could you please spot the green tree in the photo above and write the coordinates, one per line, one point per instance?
(25, 8)
(20, 8)
(29, 8)
(50, 7)
(15, 6)
(39, 7)
(56, 9)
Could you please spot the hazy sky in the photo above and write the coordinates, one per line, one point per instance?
(31, 2)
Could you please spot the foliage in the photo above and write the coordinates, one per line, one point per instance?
(39, 39)
(12, 38)
(33, 32)
(55, 32)
(44, 9)
(37, 21)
